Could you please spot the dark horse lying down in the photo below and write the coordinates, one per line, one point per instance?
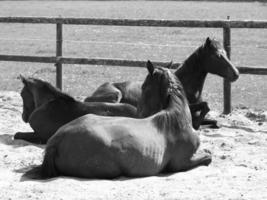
(208, 58)
(95, 146)
(46, 109)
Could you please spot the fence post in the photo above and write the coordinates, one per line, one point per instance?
(227, 84)
(58, 55)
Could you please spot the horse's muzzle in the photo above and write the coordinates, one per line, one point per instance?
(235, 75)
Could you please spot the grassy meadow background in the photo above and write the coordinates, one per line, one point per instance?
(249, 46)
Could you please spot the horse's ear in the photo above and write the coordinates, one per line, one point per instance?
(208, 42)
(169, 65)
(26, 81)
(23, 79)
(150, 67)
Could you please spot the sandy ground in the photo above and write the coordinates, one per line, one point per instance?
(238, 169)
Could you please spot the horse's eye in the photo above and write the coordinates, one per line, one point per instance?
(143, 87)
(218, 55)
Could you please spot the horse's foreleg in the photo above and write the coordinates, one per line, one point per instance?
(198, 106)
(198, 119)
(200, 160)
(29, 137)
(185, 163)
(212, 123)
(196, 161)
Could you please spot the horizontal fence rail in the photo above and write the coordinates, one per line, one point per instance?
(137, 22)
(58, 60)
(112, 62)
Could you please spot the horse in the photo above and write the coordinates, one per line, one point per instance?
(162, 140)
(46, 109)
(208, 58)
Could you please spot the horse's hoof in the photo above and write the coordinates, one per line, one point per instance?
(196, 126)
(212, 126)
(17, 136)
(207, 160)
(215, 126)
(206, 107)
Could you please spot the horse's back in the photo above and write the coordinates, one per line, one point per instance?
(109, 109)
(101, 147)
(124, 92)
(106, 92)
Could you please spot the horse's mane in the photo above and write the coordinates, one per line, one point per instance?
(177, 115)
(56, 92)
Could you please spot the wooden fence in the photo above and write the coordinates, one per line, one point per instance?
(58, 59)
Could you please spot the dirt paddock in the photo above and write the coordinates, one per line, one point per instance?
(238, 169)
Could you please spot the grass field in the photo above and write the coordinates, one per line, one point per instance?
(249, 47)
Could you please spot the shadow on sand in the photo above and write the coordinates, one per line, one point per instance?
(29, 174)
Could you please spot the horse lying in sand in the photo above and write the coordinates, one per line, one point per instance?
(208, 58)
(47, 108)
(95, 146)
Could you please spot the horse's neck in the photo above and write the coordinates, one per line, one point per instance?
(41, 99)
(192, 76)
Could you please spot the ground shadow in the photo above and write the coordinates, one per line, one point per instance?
(33, 177)
(29, 174)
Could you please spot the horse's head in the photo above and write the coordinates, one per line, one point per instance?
(217, 62)
(27, 98)
(154, 91)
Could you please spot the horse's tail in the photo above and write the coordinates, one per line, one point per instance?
(47, 169)
(34, 173)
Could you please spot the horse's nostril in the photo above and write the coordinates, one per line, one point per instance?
(24, 118)
(236, 75)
